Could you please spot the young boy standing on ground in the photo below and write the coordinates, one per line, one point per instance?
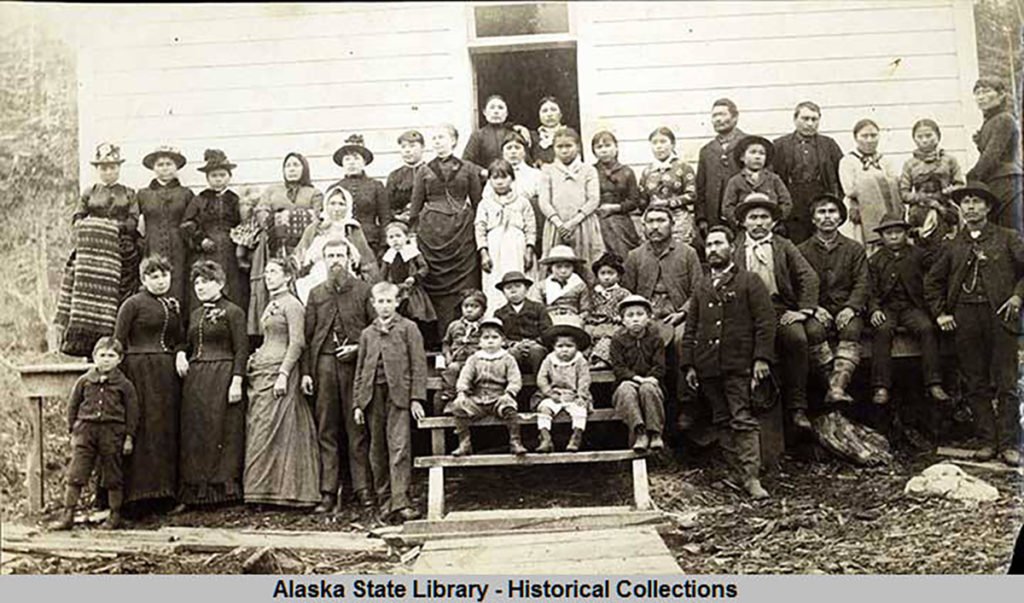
(638, 361)
(391, 384)
(103, 413)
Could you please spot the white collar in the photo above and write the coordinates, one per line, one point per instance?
(554, 290)
(557, 362)
(491, 355)
(408, 252)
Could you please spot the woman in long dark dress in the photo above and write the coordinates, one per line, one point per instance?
(151, 329)
(542, 140)
(282, 463)
(207, 225)
(620, 196)
(212, 413)
(163, 205)
(445, 194)
(999, 159)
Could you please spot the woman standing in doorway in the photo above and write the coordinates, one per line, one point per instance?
(484, 145)
(549, 112)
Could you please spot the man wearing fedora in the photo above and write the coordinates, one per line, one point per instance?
(370, 204)
(716, 164)
(808, 163)
(897, 300)
(975, 290)
(842, 268)
(524, 320)
(793, 287)
(728, 348)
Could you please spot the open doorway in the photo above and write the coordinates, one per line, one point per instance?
(523, 77)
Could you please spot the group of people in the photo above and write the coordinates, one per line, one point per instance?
(697, 287)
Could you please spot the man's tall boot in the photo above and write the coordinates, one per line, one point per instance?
(515, 443)
(465, 443)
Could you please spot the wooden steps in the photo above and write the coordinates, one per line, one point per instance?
(529, 380)
(530, 458)
(525, 418)
(495, 522)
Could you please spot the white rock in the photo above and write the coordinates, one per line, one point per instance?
(950, 481)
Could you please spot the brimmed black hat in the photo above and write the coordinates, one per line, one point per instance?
(512, 277)
(566, 324)
(757, 200)
(164, 151)
(635, 300)
(830, 198)
(746, 141)
(976, 189)
(215, 160)
(610, 260)
(891, 221)
(353, 144)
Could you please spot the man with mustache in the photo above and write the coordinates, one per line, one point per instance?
(793, 286)
(716, 164)
(664, 270)
(727, 349)
(975, 291)
(337, 311)
(842, 268)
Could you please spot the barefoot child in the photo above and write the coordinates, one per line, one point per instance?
(601, 308)
(461, 340)
(103, 412)
(563, 382)
(488, 385)
(505, 229)
(638, 360)
(403, 265)
(391, 385)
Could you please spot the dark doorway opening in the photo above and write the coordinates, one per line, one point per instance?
(523, 77)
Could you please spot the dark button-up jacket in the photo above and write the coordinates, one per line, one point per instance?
(104, 398)
(828, 152)
(640, 355)
(529, 323)
(729, 326)
(677, 264)
(888, 271)
(1001, 269)
(218, 333)
(350, 303)
(448, 192)
(116, 202)
(618, 185)
(209, 213)
(147, 324)
(842, 273)
(400, 346)
(715, 165)
(484, 145)
(998, 143)
(740, 186)
(794, 276)
(370, 206)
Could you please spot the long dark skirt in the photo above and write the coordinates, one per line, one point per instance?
(1008, 190)
(448, 245)
(619, 234)
(151, 471)
(212, 436)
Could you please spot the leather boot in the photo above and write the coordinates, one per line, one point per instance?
(465, 443)
(641, 442)
(575, 441)
(754, 489)
(655, 441)
(515, 444)
(881, 396)
(546, 445)
(938, 394)
(326, 505)
(800, 419)
(115, 521)
(840, 378)
(67, 516)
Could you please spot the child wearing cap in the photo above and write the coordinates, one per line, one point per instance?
(563, 289)
(488, 385)
(601, 308)
(399, 184)
(638, 361)
(505, 229)
(461, 340)
(403, 265)
(754, 153)
(563, 382)
(525, 321)
(928, 177)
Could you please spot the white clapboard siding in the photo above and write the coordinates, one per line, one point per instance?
(649, 64)
(259, 81)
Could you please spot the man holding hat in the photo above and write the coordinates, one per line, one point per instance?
(728, 347)
(842, 268)
(793, 286)
(975, 291)
(897, 300)
(524, 320)
(370, 205)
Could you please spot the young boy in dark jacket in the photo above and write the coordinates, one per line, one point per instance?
(391, 384)
(638, 361)
(103, 413)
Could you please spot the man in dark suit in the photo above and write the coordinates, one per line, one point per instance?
(337, 311)
(975, 291)
(793, 286)
(808, 164)
(716, 164)
(727, 348)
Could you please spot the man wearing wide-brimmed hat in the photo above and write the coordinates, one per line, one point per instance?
(370, 205)
(975, 289)
(842, 267)
(793, 286)
(897, 300)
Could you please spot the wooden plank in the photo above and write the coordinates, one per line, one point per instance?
(641, 488)
(590, 537)
(435, 493)
(36, 485)
(508, 521)
(51, 380)
(525, 418)
(553, 458)
(601, 376)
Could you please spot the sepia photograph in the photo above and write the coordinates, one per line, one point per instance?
(660, 290)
